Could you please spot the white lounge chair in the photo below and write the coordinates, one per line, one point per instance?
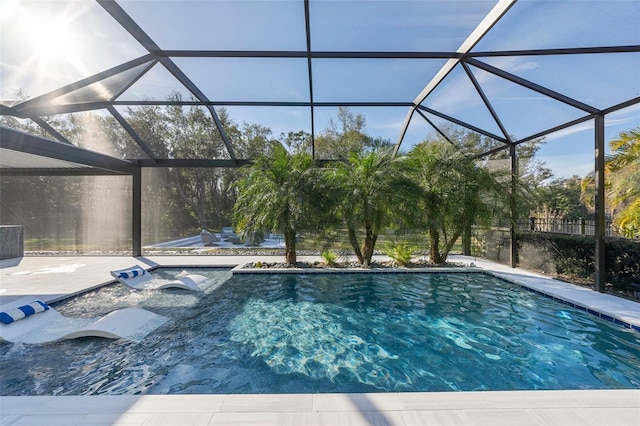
(29, 320)
(136, 277)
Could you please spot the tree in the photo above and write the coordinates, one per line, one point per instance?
(277, 194)
(561, 198)
(296, 142)
(622, 183)
(532, 173)
(370, 189)
(203, 196)
(347, 136)
(165, 214)
(250, 141)
(456, 193)
(625, 182)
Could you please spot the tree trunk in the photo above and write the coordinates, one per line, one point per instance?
(290, 247)
(368, 245)
(434, 247)
(353, 240)
(449, 245)
(466, 240)
(201, 214)
(193, 206)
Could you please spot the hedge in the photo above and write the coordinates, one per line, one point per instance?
(571, 255)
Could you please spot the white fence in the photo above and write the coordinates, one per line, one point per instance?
(579, 226)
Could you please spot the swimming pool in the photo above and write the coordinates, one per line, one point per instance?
(295, 333)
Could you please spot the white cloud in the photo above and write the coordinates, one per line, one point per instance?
(515, 65)
(612, 121)
(582, 127)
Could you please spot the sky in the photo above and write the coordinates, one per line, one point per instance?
(45, 45)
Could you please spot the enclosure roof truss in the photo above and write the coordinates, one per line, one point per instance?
(471, 59)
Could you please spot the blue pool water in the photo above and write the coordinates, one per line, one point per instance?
(291, 333)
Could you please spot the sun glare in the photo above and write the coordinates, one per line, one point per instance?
(51, 39)
(48, 32)
(47, 44)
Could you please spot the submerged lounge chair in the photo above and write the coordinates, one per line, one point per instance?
(136, 277)
(29, 320)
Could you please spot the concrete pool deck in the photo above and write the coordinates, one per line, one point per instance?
(55, 278)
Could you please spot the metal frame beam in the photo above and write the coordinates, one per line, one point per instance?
(513, 222)
(142, 144)
(304, 54)
(85, 171)
(555, 129)
(210, 163)
(143, 38)
(307, 26)
(622, 105)
(23, 142)
(562, 51)
(65, 109)
(462, 123)
(264, 103)
(136, 213)
(435, 127)
(474, 38)
(47, 127)
(25, 108)
(191, 163)
(45, 109)
(178, 53)
(48, 109)
(533, 86)
(493, 151)
(600, 207)
(486, 101)
(133, 80)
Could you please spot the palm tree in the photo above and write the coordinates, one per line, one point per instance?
(622, 183)
(371, 189)
(277, 195)
(625, 182)
(456, 194)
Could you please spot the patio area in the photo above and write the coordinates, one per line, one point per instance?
(584, 408)
(99, 144)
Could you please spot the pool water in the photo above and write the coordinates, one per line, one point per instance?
(294, 333)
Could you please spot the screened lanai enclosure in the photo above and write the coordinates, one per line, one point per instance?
(112, 95)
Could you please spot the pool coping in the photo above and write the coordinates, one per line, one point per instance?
(496, 408)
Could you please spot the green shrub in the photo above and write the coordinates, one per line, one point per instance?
(330, 257)
(575, 256)
(622, 260)
(401, 252)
